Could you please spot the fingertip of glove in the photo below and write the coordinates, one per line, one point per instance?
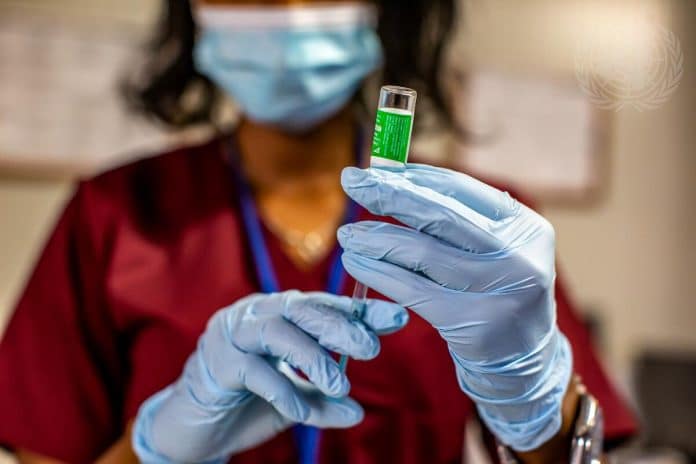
(375, 349)
(397, 314)
(372, 349)
(350, 411)
(344, 234)
(401, 318)
(349, 259)
(354, 236)
(350, 176)
(356, 411)
(330, 412)
(386, 317)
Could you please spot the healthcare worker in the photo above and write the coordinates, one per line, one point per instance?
(171, 289)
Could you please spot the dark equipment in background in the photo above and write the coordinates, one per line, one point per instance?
(666, 391)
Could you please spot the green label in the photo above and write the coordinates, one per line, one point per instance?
(392, 135)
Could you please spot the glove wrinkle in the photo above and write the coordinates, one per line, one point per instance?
(480, 267)
(235, 391)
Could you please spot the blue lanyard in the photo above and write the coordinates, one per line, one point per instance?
(306, 437)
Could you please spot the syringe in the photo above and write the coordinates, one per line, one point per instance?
(390, 145)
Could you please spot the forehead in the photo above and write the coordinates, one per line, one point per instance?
(271, 2)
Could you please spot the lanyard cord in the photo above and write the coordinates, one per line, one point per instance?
(307, 437)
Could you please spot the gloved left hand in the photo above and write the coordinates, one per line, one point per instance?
(479, 266)
(232, 394)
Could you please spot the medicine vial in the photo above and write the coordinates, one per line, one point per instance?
(390, 144)
(393, 126)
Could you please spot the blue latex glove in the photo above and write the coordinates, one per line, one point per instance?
(232, 396)
(479, 266)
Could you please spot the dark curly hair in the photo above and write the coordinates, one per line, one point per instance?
(414, 35)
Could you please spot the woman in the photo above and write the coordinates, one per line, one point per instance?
(199, 244)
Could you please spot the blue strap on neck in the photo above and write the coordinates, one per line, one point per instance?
(307, 437)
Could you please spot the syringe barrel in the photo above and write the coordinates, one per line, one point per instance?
(393, 126)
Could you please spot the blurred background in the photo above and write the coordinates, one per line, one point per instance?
(617, 178)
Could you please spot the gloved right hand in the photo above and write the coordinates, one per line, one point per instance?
(480, 267)
(231, 395)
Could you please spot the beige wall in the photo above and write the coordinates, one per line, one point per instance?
(132, 11)
(631, 255)
(28, 207)
(27, 211)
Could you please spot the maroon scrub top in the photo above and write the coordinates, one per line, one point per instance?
(141, 257)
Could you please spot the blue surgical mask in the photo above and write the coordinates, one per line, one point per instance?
(290, 67)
